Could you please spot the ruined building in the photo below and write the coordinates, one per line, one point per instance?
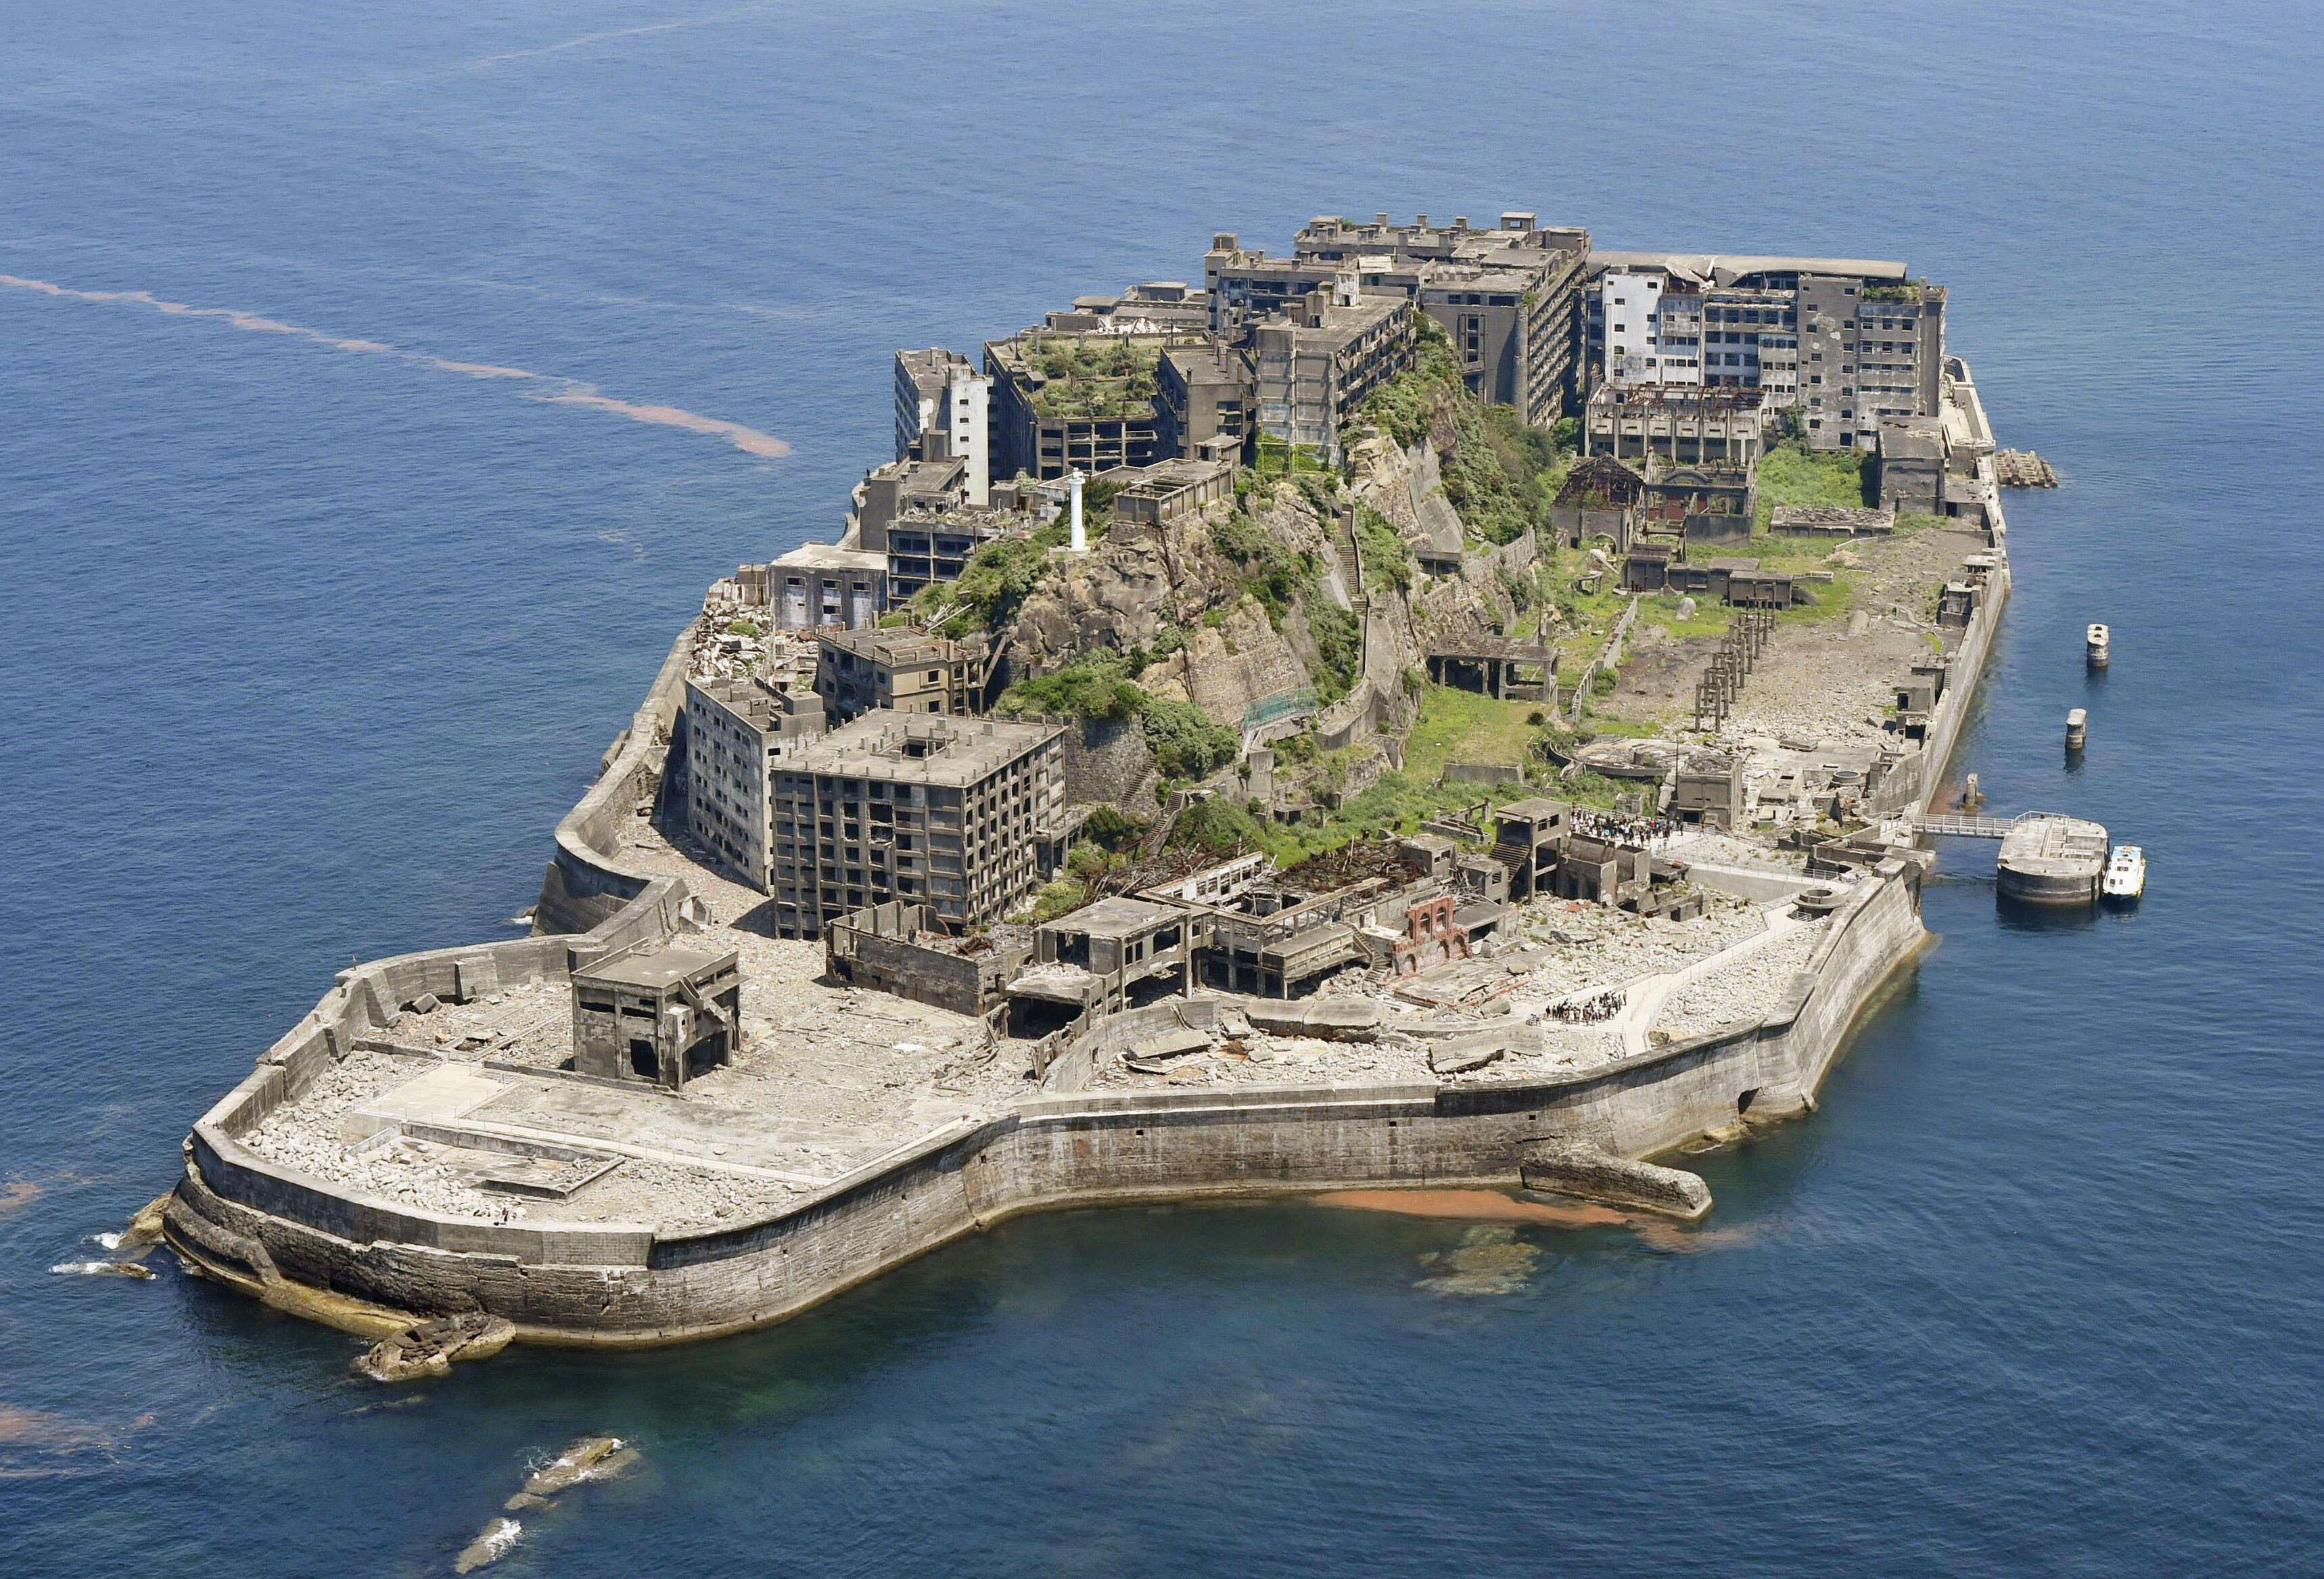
(966, 814)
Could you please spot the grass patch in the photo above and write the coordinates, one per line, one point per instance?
(1792, 474)
(1463, 726)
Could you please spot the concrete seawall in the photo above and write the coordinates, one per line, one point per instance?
(368, 1264)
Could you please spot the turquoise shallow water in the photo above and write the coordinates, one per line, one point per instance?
(308, 645)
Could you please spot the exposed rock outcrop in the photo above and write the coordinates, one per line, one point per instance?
(429, 1348)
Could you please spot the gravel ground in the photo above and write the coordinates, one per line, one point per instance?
(1742, 992)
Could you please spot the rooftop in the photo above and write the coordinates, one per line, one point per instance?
(655, 970)
(830, 557)
(1726, 268)
(922, 747)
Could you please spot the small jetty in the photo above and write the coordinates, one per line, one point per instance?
(2078, 729)
(2097, 644)
(2022, 468)
(2051, 861)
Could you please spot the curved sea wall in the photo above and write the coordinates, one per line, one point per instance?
(586, 883)
(263, 1228)
(370, 1264)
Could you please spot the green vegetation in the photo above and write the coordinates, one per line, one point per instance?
(1792, 474)
(1339, 642)
(1463, 726)
(1096, 687)
(1099, 378)
(1454, 725)
(1387, 558)
(997, 580)
(1279, 457)
(1110, 829)
(1273, 574)
(1185, 742)
(1499, 473)
(744, 628)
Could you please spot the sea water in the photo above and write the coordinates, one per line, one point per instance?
(380, 387)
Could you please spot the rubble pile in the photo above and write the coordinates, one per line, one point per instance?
(1742, 992)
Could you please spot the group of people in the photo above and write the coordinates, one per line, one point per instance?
(1589, 1010)
(1638, 833)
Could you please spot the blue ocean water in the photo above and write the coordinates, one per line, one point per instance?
(312, 635)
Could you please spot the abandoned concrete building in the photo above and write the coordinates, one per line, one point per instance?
(1154, 306)
(1911, 465)
(902, 487)
(1505, 295)
(819, 584)
(1684, 424)
(1203, 389)
(1699, 502)
(967, 815)
(1076, 402)
(1600, 497)
(1844, 341)
(735, 730)
(1104, 957)
(663, 1015)
(1171, 490)
(1314, 361)
(942, 413)
(1509, 668)
(910, 950)
(902, 668)
(928, 545)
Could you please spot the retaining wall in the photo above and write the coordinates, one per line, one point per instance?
(587, 881)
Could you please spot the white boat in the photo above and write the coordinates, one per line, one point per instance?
(2097, 640)
(2126, 873)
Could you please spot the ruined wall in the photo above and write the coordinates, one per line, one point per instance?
(1915, 782)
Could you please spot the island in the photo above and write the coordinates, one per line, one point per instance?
(1446, 704)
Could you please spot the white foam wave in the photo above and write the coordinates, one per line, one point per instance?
(552, 389)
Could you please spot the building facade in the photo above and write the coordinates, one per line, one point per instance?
(1314, 368)
(1845, 342)
(819, 584)
(735, 730)
(943, 411)
(901, 668)
(966, 814)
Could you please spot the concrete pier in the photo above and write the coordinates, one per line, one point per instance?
(2052, 861)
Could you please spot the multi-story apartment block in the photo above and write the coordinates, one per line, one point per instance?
(1315, 367)
(902, 668)
(736, 731)
(1507, 295)
(1157, 306)
(1068, 401)
(928, 545)
(943, 411)
(1205, 390)
(904, 485)
(963, 814)
(821, 583)
(1843, 341)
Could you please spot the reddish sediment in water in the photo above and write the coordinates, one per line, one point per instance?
(1476, 1206)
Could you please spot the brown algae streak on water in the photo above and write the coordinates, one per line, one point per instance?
(562, 391)
(1476, 1206)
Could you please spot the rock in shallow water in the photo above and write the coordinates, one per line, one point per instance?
(429, 1348)
(592, 1458)
(493, 1542)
